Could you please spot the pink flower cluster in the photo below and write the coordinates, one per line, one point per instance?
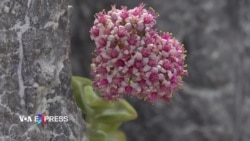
(134, 59)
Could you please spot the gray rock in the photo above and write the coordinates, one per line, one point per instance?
(214, 102)
(35, 72)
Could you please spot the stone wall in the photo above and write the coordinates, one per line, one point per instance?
(214, 103)
(35, 71)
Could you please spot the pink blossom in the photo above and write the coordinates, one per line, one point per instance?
(102, 70)
(124, 12)
(94, 31)
(152, 62)
(153, 77)
(103, 82)
(153, 96)
(165, 36)
(102, 42)
(128, 89)
(145, 52)
(132, 40)
(166, 48)
(138, 64)
(101, 18)
(122, 32)
(167, 65)
(133, 58)
(148, 19)
(120, 63)
(114, 53)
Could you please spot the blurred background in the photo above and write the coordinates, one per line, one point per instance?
(214, 104)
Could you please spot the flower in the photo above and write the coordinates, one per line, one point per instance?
(134, 59)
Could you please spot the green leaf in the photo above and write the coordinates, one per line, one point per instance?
(107, 128)
(84, 81)
(103, 118)
(94, 101)
(96, 135)
(120, 112)
(116, 136)
(78, 84)
(90, 95)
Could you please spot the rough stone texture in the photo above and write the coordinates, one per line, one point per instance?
(214, 103)
(35, 71)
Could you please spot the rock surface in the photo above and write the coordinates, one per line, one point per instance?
(214, 103)
(35, 72)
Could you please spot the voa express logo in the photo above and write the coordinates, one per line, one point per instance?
(43, 119)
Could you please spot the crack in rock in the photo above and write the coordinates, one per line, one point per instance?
(20, 30)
